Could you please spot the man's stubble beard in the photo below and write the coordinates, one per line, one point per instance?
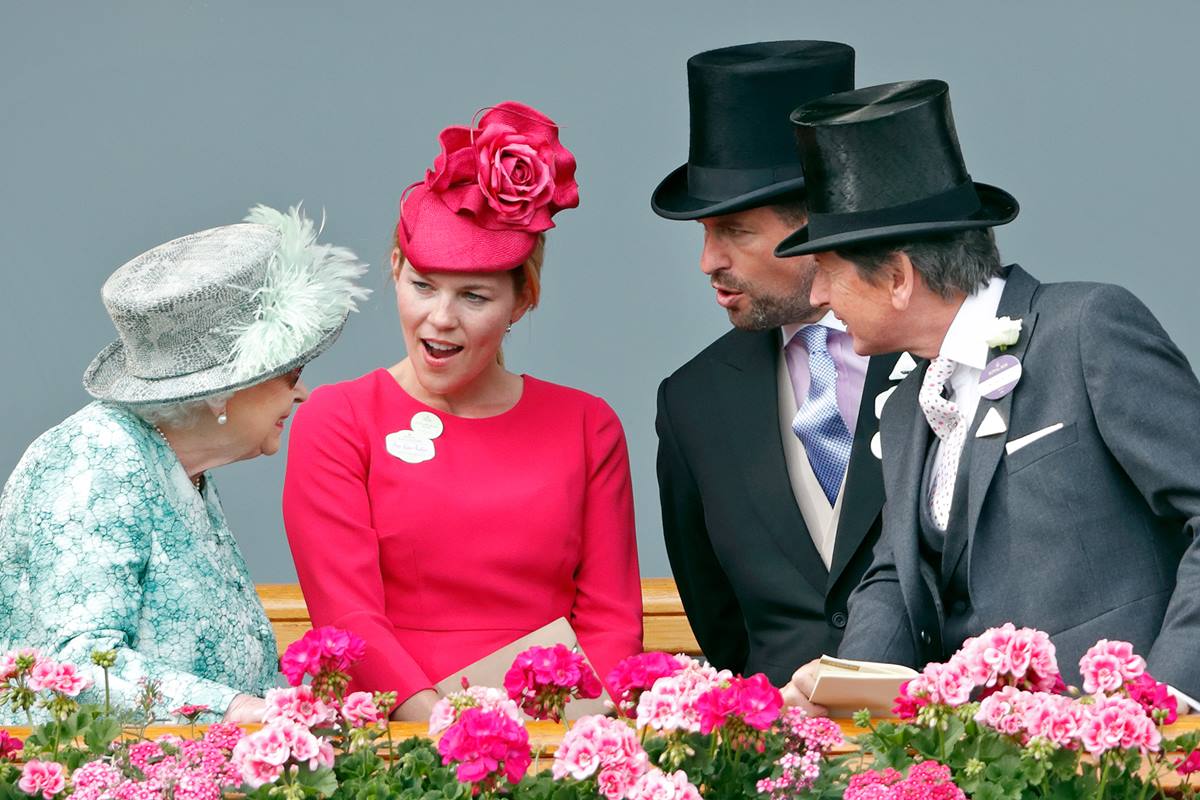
(772, 311)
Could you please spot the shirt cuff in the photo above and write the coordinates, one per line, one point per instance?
(1187, 705)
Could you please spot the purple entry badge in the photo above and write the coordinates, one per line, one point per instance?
(999, 377)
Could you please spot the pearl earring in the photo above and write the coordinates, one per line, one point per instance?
(509, 328)
(222, 418)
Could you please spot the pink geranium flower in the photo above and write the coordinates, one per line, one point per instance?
(45, 777)
(636, 674)
(542, 680)
(658, 785)
(9, 744)
(753, 701)
(52, 676)
(1154, 697)
(927, 780)
(321, 653)
(447, 710)
(1107, 665)
(487, 746)
(297, 704)
(606, 748)
(359, 710)
(671, 703)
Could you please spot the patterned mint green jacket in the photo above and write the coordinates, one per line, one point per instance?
(105, 544)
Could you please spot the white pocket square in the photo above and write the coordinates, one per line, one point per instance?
(1030, 438)
(991, 424)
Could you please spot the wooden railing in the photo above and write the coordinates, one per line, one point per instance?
(545, 736)
(663, 623)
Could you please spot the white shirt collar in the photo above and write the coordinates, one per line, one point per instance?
(965, 341)
(829, 321)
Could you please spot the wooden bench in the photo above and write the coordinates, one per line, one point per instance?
(663, 623)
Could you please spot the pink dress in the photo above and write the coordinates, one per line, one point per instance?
(518, 519)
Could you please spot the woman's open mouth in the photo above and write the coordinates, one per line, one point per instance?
(438, 351)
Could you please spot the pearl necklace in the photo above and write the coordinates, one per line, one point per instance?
(197, 481)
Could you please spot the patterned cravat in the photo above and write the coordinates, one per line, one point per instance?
(949, 425)
(819, 423)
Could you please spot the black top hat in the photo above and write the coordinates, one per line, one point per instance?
(884, 163)
(743, 153)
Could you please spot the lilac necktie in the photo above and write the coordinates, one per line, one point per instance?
(818, 423)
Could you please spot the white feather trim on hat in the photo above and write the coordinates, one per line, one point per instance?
(309, 290)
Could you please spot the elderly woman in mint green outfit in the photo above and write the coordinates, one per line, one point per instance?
(111, 530)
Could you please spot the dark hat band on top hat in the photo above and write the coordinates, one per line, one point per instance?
(957, 203)
(884, 162)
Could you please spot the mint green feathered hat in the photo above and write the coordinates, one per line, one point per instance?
(223, 309)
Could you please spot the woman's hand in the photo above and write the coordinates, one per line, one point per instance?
(245, 708)
(416, 708)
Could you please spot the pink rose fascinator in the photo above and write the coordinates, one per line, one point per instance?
(492, 190)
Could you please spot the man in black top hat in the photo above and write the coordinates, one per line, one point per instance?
(1042, 461)
(770, 493)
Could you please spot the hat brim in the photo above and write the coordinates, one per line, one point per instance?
(997, 207)
(108, 378)
(671, 199)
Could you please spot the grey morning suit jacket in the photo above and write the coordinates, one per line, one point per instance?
(1087, 533)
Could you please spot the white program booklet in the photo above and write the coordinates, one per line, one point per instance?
(844, 686)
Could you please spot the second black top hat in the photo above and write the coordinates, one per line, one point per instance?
(884, 163)
(743, 152)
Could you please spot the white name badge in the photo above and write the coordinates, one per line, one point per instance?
(427, 424)
(410, 447)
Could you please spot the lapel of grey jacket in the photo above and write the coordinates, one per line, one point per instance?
(747, 383)
(904, 440)
(863, 496)
(1016, 302)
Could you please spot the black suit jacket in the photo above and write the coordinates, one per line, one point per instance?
(755, 590)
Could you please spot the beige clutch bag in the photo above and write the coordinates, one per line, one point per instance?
(490, 670)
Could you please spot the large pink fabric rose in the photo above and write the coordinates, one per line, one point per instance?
(510, 173)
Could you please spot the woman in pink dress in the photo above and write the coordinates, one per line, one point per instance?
(443, 507)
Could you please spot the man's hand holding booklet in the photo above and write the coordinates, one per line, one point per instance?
(844, 686)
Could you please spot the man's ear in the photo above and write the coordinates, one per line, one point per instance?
(901, 279)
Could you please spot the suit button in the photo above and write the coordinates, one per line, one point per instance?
(838, 619)
(926, 639)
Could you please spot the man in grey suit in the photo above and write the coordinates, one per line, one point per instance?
(1042, 464)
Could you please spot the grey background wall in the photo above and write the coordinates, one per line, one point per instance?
(123, 125)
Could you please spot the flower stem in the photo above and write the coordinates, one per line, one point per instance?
(1103, 776)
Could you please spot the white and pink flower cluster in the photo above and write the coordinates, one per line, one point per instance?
(606, 748)
(261, 757)
(671, 704)
(447, 710)
(1003, 656)
(1108, 665)
(658, 785)
(1097, 724)
(1120, 712)
(41, 673)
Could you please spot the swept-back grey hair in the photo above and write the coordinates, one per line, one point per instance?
(949, 264)
(180, 414)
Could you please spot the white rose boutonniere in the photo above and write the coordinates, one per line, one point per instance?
(1003, 332)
